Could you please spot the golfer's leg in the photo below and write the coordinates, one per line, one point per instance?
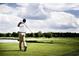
(20, 42)
(20, 45)
(24, 42)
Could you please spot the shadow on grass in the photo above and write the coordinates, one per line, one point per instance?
(52, 42)
(73, 53)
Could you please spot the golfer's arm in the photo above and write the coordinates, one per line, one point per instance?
(19, 24)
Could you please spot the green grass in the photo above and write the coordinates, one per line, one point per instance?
(46, 47)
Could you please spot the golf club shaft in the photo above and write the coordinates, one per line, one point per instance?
(28, 28)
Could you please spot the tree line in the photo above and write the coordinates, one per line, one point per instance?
(40, 34)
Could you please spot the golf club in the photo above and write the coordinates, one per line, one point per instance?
(28, 28)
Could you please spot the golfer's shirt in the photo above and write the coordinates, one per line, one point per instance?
(22, 28)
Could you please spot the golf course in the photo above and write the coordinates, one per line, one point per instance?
(60, 46)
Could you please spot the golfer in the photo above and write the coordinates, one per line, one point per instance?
(22, 32)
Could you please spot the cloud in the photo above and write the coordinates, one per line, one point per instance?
(36, 10)
(30, 11)
(74, 12)
(62, 18)
(40, 17)
(58, 21)
(8, 23)
(4, 9)
(61, 7)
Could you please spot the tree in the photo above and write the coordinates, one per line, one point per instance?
(40, 34)
(8, 34)
(2, 35)
(14, 34)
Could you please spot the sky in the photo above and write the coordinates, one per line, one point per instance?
(44, 17)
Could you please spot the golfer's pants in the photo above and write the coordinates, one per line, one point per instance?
(22, 37)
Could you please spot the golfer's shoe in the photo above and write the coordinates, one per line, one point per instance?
(25, 48)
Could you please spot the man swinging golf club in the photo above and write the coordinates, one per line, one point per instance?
(22, 33)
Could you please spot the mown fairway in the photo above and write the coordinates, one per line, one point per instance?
(43, 47)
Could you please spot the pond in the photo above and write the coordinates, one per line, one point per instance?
(7, 40)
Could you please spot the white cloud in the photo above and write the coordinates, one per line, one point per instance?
(60, 7)
(22, 4)
(55, 21)
(8, 23)
(4, 9)
(62, 21)
(21, 11)
(61, 18)
(58, 21)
